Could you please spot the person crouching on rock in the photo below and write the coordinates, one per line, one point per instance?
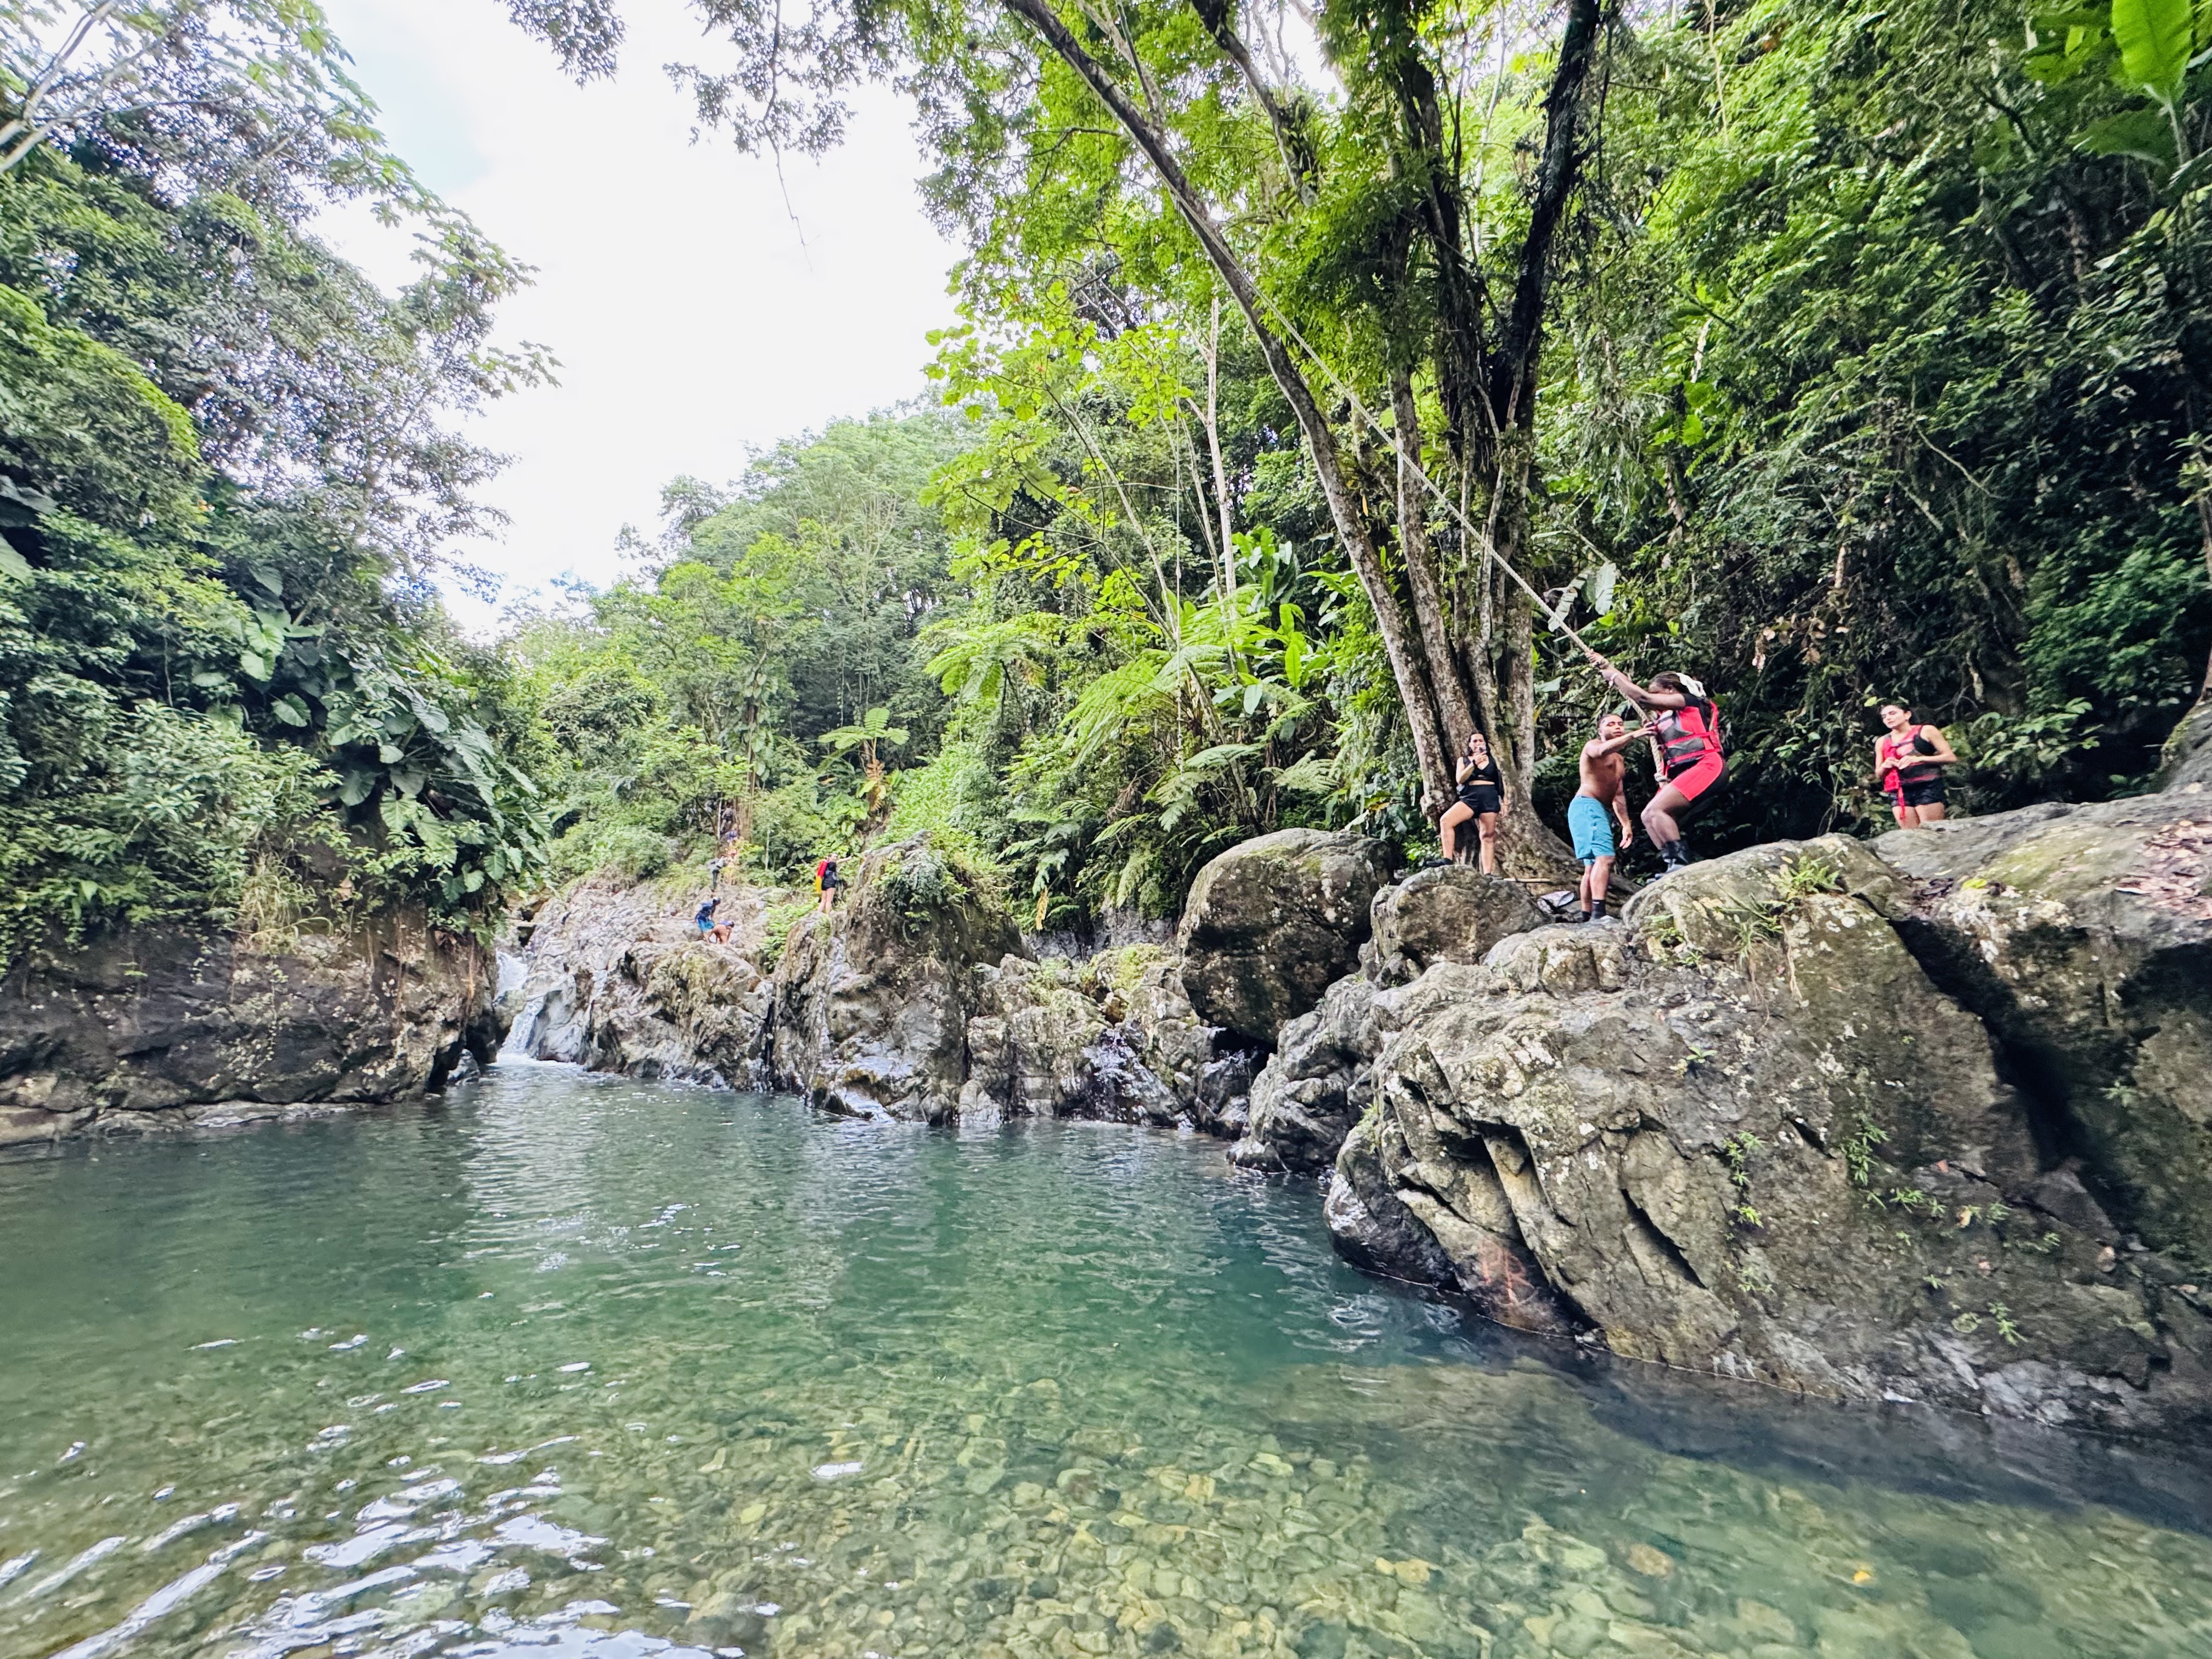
(826, 883)
(1908, 763)
(1481, 798)
(708, 927)
(1685, 729)
(1604, 791)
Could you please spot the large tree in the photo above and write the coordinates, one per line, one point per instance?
(1391, 250)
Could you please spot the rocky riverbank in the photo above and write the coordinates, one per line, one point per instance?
(1922, 1119)
(159, 1029)
(1926, 1120)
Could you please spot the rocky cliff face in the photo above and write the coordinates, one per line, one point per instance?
(617, 979)
(1926, 1121)
(156, 1029)
(915, 998)
(869, 1007)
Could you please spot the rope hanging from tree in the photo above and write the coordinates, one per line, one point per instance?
(1481, 539)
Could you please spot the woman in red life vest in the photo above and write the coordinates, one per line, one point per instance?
(1686, 744)
(1908, 763)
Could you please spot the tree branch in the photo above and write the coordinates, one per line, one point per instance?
(1389, 616)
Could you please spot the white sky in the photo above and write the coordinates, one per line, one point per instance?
(689, 317)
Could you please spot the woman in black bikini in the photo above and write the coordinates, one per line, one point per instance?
(1481, 798)
(1908, 763)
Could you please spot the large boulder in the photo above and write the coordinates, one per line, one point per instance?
(1041, 1044)
(1746, 1133)
(2083, 935)
(1320, 1079)
(870, 1003)
(1271, 923)
(1316, 1084)
(1446, 913)
(160, 1028)
(616, 978)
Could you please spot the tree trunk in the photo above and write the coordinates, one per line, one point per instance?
(1407, 666)
(1426, 588)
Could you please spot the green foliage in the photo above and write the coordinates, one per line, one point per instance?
(1898, 394)
(1806, 875)
(1859, 1150)
(753, 687)
(225, 695)
(1738, 1150)
(781, 919)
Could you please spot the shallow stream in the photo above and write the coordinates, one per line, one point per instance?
(580, 1366)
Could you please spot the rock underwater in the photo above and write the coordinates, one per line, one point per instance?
(1872, 1123)
(164, 1028)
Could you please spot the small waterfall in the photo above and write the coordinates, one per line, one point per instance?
(523, 1034)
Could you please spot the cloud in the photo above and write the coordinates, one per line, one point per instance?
(698, 305)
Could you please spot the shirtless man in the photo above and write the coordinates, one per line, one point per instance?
(1602, 791)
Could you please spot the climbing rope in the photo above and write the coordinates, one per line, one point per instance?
(1481, 538)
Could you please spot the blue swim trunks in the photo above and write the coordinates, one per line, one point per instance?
(1591, 826)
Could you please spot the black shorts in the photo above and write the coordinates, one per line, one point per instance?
(1927, 793)
(1484, 799)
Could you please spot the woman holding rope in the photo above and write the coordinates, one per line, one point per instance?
(1685, 740)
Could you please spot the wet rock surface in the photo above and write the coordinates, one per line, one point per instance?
(1041, 1045)
(1272, 922)
(870, 1004)
(1748, 1133)
(156, 1029)
(894, 1004)
(1316, 1084)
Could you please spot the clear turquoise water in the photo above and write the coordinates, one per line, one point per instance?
(580, 1366)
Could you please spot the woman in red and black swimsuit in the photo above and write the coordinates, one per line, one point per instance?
(1686, 741)
(1908, 763)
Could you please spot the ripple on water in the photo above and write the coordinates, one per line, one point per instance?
(1057, 1391)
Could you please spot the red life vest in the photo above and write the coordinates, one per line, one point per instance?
(1688, 734)
(1920, 772)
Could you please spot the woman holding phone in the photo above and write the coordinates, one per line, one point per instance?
(1481, 798)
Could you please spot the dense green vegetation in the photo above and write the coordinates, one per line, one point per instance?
(227, 688)
(1835, 354)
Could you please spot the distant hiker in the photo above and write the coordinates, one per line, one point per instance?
(1604, 791)
(826, 883)
(708, 927)
(1481, 798)
(1908, 763)
(1684, 728)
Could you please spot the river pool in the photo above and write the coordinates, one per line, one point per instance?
(567, 1365)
